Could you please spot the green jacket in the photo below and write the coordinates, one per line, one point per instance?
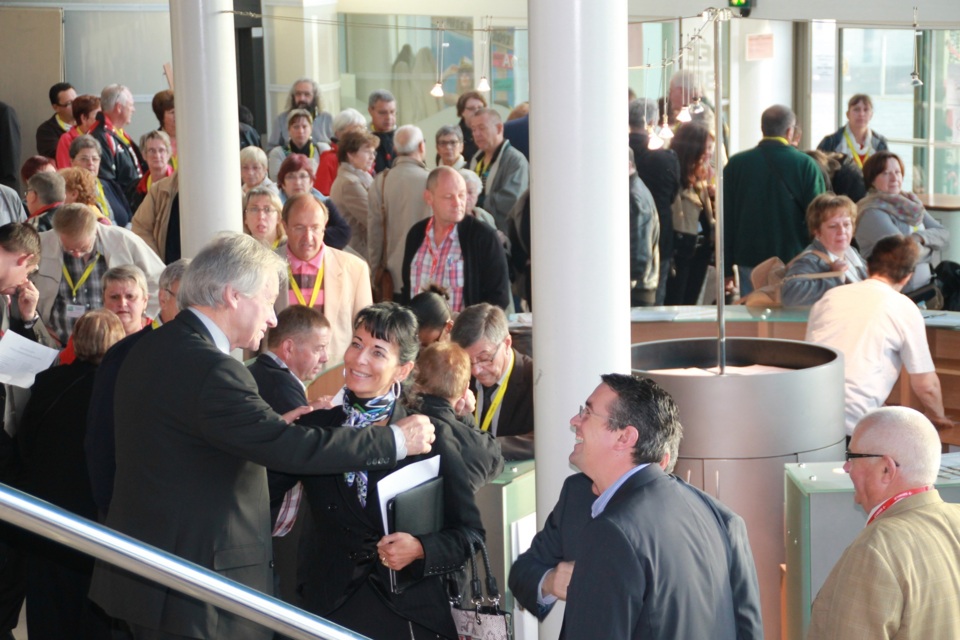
(762, 217)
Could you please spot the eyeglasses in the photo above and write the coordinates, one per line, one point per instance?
(485, 360)
(448, 143)
(853, 456)
(64, 106)
(261, 210)
(585, 412)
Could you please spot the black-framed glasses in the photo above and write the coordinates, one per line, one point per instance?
(486, 360)
(853, 456)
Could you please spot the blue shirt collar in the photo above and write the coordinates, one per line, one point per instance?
(601, 503)
(220, 339)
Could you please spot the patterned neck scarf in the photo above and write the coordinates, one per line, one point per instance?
(360, 415)
(904, 206)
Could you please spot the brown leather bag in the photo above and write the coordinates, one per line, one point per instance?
(382, 278)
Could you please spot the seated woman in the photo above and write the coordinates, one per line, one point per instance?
(346, 555)
(156, 149)
(261, 217)
(299, 128)
(296, 176)
(329, 164)
(51, 438)
(888, 211)
(441, 388)
(692, 214)
(253, 170)
(357, 151)
(831, 220)
(85, 153)
(433, 315)
(124, 294)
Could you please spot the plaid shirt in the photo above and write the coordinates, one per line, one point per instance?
(441, 265)
(90, 294)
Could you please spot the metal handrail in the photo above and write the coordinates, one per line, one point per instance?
(59, 525)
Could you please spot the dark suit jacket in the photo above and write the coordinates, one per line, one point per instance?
(193, 437)
(664, 560)
(48, 136)
(99, 444)
(338, 551)
(560, 540)
(515, 426)
(51, 438)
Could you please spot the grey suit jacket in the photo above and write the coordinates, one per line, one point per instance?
(193, 437)
(509, 176)
(664, 560)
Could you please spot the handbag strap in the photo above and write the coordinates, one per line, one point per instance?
(383, 217)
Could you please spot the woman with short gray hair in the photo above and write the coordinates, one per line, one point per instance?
(85, 153)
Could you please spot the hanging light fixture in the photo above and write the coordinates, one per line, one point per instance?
(437, 91)
(654, 141)
(696, 107)
(484, 85)
(917, 34)
(664, 131)
(684, 115)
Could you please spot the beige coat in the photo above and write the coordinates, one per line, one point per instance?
(346, 290)
(349, 194)
(152, 218)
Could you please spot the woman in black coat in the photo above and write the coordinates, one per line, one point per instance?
(346, 553)
(55, 469)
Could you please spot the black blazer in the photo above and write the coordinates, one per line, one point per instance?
(51, 438)
(485, 274)
(338, 550)
(664, 560)
(193, 437)
(560, 540)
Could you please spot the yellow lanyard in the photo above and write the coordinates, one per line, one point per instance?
(853, 149)
(156, 323)
(86, 274)
(481, 166)
(778, 139)
(102, 200)
(63, 125)
(276, 243)
(122, 136)
(316, 288)
(496, 400)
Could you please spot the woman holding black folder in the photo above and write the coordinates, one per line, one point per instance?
(346, 556)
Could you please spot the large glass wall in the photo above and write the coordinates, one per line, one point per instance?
(921, 123)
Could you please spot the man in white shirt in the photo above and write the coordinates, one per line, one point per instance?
(878, 329)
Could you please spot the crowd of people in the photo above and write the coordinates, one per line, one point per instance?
(358, 256)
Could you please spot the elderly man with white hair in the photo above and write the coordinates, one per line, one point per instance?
(900, 578)
(396, 203)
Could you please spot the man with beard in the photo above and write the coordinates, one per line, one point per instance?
(304, 94)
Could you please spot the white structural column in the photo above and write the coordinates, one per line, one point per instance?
(580, 226)
(205, 77)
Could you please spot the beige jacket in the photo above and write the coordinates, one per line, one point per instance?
(152, 218)
(349, 194)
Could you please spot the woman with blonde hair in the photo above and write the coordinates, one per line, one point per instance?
(261, 217)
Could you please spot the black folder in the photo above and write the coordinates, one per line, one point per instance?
(416, 511)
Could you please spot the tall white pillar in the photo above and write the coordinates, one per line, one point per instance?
(580, 229)
(205, 78)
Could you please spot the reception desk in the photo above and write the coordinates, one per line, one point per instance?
(943, 335)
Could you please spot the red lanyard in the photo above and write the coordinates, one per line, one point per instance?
(436, 263)
(889, 502)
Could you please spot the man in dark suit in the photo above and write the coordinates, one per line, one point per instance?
(19, 255)
(658, 559)
(502, 378)
(193, 438)
(541, 575)
(62, 95)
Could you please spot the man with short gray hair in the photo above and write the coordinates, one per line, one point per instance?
(193, 434)
(900, 577)
(766, 193)
(396, 202)
(121, 160)
(503, 170)
(382, 107)
(46, 191)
